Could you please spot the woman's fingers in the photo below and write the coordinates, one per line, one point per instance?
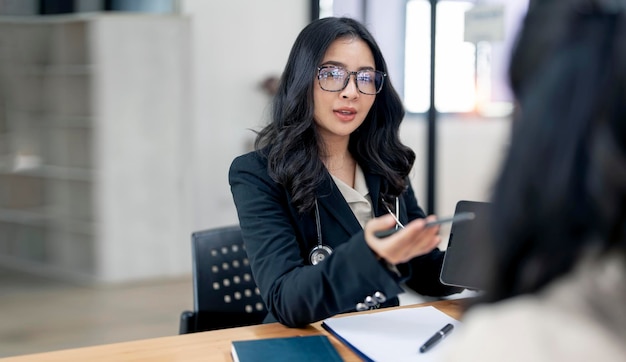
(381, 223)
(414, 240)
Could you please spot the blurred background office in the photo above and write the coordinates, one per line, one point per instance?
(119, 120)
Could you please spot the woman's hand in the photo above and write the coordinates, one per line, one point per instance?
(414, 240)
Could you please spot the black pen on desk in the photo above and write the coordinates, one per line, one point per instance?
(436, 338)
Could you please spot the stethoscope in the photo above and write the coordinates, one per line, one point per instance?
(320, 251)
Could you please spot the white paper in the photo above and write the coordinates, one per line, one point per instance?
(394, 335)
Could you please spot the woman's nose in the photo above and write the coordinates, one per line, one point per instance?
(350, 91)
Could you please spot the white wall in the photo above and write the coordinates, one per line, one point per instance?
(235, 45)
(389, 35)
(140, 126)
(469, 152)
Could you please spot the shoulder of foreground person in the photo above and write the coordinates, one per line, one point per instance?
(532, 329)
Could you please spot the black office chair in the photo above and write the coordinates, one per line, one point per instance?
(225, 294)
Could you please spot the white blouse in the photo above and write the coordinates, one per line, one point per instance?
(358, 198)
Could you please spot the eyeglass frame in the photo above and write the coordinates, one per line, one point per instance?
(350, 73)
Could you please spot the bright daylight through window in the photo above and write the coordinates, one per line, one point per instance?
(469, 77)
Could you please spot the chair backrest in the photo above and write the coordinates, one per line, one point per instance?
(225, 294)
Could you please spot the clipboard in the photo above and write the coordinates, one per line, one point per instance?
(392, 335)
(463, 263)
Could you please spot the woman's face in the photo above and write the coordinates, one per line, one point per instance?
(338, 114)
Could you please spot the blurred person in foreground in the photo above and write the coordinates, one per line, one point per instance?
(558, 235)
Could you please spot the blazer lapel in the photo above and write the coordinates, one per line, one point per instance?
(373, 185)
(330, 198)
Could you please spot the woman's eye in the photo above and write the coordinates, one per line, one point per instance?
(365, 77)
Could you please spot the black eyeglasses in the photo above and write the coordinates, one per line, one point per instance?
(335, 79)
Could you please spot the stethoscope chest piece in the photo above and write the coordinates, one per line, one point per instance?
(319, 253)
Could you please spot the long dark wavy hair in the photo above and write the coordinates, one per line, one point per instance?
(291, 142)
(562, 190)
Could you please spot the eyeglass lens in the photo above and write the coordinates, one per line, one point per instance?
(335, 79)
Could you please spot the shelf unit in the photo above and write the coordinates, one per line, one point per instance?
(94, 158)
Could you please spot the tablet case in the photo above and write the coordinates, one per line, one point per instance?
(463, 264)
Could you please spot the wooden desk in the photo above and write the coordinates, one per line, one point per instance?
(204, 346)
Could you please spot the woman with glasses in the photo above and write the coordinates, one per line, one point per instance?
(328, 172)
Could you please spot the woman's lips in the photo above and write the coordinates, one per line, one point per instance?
(345, 114)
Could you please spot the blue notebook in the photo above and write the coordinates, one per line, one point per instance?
(302, 348)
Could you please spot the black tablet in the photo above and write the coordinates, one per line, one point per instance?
(463, 265)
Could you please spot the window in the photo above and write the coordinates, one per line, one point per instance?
(469, 77)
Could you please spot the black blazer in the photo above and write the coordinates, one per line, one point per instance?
(278, 241)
